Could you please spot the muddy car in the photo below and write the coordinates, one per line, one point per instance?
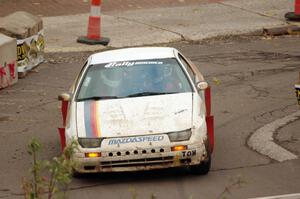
(139, 109)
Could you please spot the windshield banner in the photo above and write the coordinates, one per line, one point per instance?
(132, 63)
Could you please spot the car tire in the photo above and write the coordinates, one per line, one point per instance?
(202, 168)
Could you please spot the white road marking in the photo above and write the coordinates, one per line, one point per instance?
(287, 196)
(262, 139)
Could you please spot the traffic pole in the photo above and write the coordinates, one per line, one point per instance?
(94, 26)
(294, 16)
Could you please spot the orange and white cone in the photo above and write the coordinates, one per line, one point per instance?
(94, 26)
(294, 16)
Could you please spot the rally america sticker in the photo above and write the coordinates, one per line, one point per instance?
(131, 63)
(116, 141)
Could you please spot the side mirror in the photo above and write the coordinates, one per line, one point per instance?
(65, 97)
(202, 85)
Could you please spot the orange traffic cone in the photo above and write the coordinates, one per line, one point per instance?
(294, 16)
(94, 26)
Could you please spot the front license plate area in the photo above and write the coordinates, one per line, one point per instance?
(188, 153)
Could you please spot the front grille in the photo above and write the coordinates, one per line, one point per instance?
(153, 157)
(135, 152)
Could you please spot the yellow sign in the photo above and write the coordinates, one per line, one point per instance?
(21, 52)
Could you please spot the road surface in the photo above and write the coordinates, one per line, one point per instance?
(252, 81)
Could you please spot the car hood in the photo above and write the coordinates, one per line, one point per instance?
(134, 116)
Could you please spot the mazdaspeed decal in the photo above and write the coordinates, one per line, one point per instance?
(92, 119)
(155, 138)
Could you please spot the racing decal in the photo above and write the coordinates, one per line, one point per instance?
(92, 119)
(155, 138)
(132, 63)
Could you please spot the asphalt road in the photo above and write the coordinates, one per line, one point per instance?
(252, 81)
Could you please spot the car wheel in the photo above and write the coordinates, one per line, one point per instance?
(202, 168)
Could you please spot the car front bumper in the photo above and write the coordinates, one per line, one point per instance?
(139, 159)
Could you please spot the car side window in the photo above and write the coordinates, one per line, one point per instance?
(188, 68)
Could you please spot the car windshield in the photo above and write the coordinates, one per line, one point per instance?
(133, 79)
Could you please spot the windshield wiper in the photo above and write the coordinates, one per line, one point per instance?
(97, 98)
(149, 93)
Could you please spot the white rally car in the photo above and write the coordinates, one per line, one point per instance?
(138, 109)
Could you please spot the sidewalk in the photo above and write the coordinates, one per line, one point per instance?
(162, 25)
(149, 22)
(45, 8)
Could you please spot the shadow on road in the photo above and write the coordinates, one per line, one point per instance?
(172, 174)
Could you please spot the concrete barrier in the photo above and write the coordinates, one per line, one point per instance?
(8, 56)
(28, 30)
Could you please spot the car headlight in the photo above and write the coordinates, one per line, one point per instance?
(89, 142)
(180, 135)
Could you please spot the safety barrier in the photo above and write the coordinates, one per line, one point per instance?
(28, 30)
(8, 56)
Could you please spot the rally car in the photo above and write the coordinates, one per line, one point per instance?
(138, 109)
